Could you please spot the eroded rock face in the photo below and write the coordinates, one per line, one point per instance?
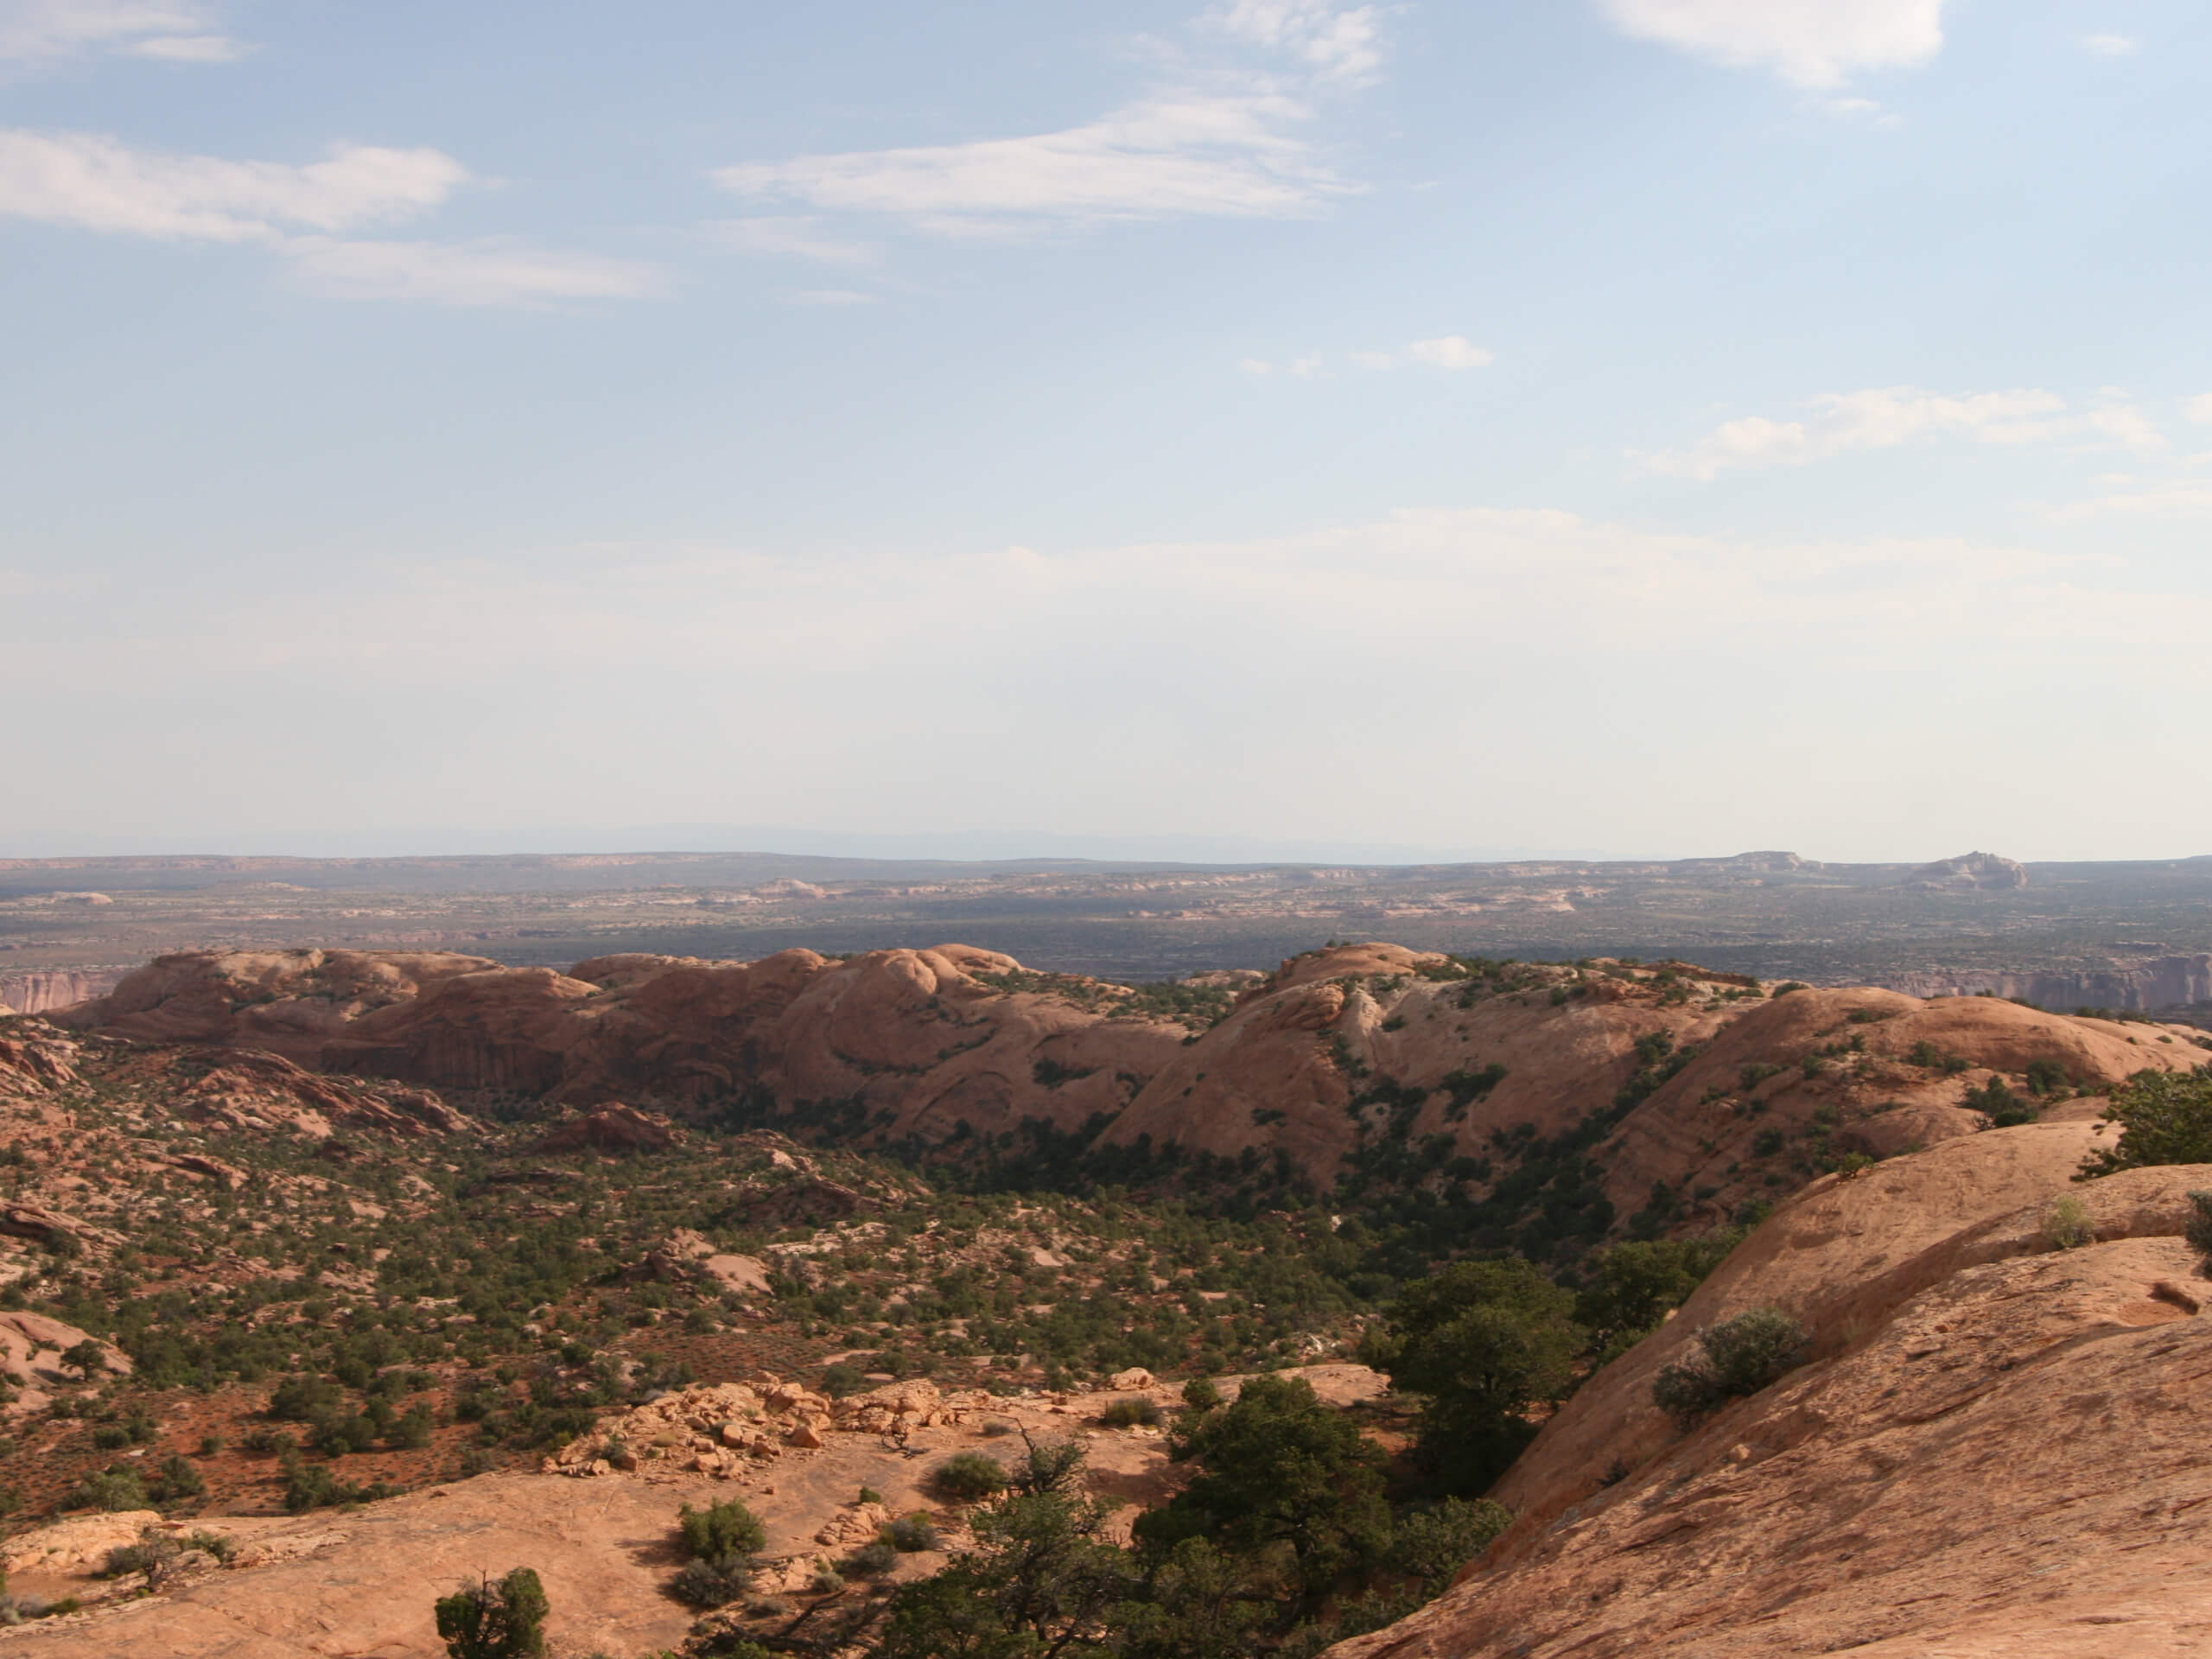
(1338, 1053)
(1996, 1448)
(919, 1041)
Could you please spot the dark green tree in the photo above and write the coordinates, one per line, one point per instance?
(1278, 1468)
(1487, 1342)
(1627, 1290)
(1041, 1583)
(495, 1621)
(2164, 1118)
(1198, 1604)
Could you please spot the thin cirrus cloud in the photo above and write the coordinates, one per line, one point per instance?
(1884, 417)
(93, 183)
(1198, 155)
(1340, 46)
(1229, 145)
(2108, 46)
(1817, 45)
(1453, 351)
(181, 32)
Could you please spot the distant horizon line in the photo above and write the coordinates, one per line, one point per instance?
(1372, 855)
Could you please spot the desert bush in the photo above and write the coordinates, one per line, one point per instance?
(1278, 1468)
(872, 1560)
(312, 1486)
(970, 1477)
(720, 1531)
(1996, 1102)
(110, 1490)
(841, 1379)
(1626, 1290)
(1486, 1341)
(2066, 1227)
(2164, 1118)
(1738, 1357)
(152, 1551)
(1432, 1543)
(1130, 1413)
(712, 1584)
(2197, 1229)
(495, 1621)
(1202, 1393)
(910, 1533)
(297, 1399)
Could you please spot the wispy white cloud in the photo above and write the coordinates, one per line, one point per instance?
(486, 272)
(2127, 425)
(1227, 142)
(2199, 408)
(799, 237)
(101, 184)
(1449, 352)
(1816, 44)
(1878, 418)
(1172, 157)
(1256, 366)
(1453, 351)
(94, 182)
(1337, 45)
(2109, 46)
(180, 30)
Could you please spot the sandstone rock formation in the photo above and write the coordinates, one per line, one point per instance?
(615, 1128)
(60, 987)
(1970, 873)
(922, 1036)
(1996, 1449)
(1340, 1050)
(2139, 984)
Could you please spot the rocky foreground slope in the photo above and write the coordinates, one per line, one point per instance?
(1615, 1088)
(2000, 1446)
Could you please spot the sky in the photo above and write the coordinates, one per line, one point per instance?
(1262, 428)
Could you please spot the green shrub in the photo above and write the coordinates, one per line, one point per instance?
(2198, 1228)
(841, 1379)
(970, 1477)
(312, 1486)
(1129, 1413)
(1738, 1357)
(2164, 1118)
(1202, 1393)
(110, 1490)
(154, 1551)
(910, 1533)
(2067, 1226)
(1487, 1342)
(1432, 1543)
(495, 1621)
(870, 1561)
(713, 1583)
(297, 1399)
(2003, 1109)
(720, 1531)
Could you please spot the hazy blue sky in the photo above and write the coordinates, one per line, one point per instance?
(1653, 426)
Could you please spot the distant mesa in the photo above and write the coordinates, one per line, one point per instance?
(1973, 873)
(1771, 863)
